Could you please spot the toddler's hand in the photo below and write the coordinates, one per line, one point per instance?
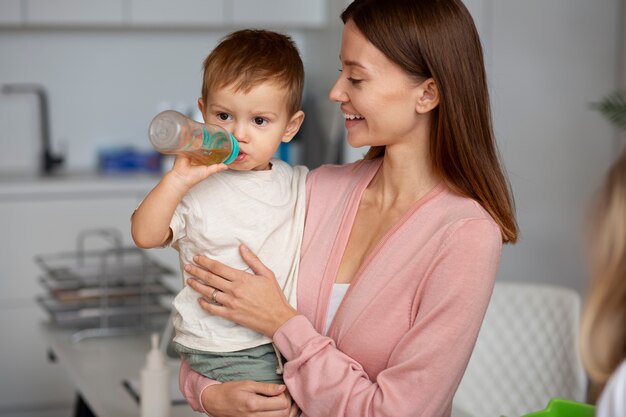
(189, 174)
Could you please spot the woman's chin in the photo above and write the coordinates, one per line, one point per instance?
(357, 141)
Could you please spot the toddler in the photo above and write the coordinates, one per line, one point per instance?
(252, 86)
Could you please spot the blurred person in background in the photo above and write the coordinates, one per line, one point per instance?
(603, 322)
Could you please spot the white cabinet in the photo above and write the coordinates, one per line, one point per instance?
(45, 217)
(74, 12)
(38, 226)
(10, 12)
(30, 381)
(181, 13)
(283, 13)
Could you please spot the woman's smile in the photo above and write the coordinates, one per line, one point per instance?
(352, 119)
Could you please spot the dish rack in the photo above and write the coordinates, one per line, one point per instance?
(104, 292)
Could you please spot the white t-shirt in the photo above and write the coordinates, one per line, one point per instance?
(263, 210)
(612, 402)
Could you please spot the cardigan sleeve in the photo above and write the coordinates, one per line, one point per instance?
(191, 385)
(426, 365)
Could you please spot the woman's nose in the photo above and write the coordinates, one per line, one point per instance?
(336, 93)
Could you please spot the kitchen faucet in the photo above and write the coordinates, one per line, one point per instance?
(49, 161)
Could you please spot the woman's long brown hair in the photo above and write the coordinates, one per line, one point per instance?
(438, 39)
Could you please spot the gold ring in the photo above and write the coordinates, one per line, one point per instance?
(214, 296)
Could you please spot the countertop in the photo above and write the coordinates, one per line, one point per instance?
(18, 186)
(99, 366)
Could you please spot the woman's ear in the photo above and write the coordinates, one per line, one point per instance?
(201, 108)
(293, 126)
(427, 96)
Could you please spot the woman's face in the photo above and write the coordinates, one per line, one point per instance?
(378, 99)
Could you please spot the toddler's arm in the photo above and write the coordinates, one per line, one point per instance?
(150, 223)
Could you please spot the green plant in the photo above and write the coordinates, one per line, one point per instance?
(613, 108)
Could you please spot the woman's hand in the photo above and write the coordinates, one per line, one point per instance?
(246, 399)
(251, 300)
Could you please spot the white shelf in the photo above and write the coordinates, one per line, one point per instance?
(284, 13)
(10, 12)
(183, 14)
(75, 12)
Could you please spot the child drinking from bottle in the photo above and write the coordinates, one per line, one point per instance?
(252, 86)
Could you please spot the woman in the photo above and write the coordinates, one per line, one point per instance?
(603, 328)
(411, 235)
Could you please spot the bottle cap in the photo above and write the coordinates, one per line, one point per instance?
(235, 150)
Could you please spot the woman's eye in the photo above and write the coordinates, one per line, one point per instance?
(259, 121)
(223, 116)
(354, 80)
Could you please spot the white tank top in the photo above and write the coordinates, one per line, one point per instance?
(339, 291)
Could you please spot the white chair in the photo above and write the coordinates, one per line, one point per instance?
(526, 353)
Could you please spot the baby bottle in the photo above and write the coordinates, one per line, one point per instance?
(155, 383)
(173, 133)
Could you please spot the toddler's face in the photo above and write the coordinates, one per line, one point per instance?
(258, 119)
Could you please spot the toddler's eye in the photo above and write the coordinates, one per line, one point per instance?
(259, 121)
(223, 116)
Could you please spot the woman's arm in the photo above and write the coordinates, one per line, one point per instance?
(427, 363)
(232, 399)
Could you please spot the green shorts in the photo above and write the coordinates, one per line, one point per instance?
(258, 364)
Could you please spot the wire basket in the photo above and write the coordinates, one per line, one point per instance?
(103, 292)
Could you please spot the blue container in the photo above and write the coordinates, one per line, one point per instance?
(126, 160)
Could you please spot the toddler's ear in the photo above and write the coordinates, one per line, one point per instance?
(293, 126)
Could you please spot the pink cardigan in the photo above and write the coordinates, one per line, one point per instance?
(402, 337)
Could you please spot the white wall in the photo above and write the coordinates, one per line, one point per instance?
(549, 60)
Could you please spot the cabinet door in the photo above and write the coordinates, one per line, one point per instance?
(29, 380)
(10, 12)
(33, 225)
(283, 13)
(182, 13)
(47, 227)
(75, 12)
